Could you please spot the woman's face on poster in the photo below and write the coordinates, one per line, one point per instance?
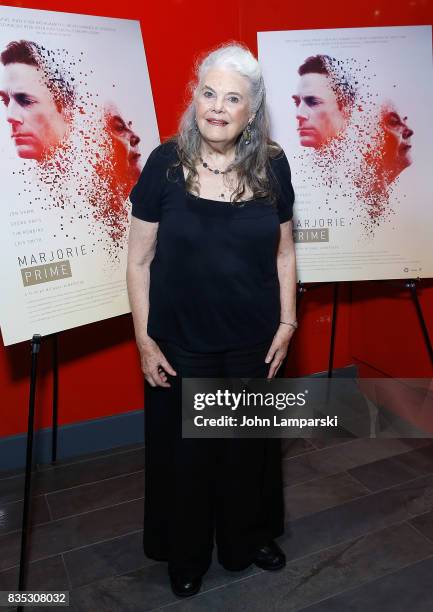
(397, 135)
(124, 142)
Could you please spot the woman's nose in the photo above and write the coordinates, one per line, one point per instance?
(407, 132)
(218, 105)
(134, 140)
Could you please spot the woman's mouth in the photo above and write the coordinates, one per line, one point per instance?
(404, 148)
(219, 122)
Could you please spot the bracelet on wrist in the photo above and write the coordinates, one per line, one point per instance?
(293, 324)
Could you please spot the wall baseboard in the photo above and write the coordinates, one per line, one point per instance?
(347, 372)
(75, 439)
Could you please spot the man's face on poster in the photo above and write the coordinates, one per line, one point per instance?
(319, 117)
(37, 125)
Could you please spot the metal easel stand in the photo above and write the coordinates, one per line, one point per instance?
(55, 369)
(35, 348)
(301, 291)
(412, 286)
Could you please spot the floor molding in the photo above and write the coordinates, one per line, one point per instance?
(75, 439)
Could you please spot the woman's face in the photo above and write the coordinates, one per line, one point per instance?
(126, 154)
(397, 139)
(222, 105)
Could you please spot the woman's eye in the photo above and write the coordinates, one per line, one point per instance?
(234, 99)
(207, 94)
(117, 126)
(393, 123)
(392, 120)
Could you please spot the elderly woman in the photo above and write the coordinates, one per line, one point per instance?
(211, 279)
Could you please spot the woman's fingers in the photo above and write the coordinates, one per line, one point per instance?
(271, 353)
(163, 369)
(161, 377)
(278, 367)
(276, 362)
(156, 378)
(150, 380)
(156, 367)
(152, 373)
(167, 367)
(274, 367)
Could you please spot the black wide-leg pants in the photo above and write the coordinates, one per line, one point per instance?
(200, 489)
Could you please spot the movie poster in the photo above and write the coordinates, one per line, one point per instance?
(353, 110)
(77, 123)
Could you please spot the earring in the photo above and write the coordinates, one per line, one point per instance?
(247, 134)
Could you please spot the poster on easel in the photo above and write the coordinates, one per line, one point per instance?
(77, 123)
(352, 109)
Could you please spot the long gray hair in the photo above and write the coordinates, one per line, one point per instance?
(250, 163)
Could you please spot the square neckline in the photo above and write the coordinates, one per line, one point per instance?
(240, 204)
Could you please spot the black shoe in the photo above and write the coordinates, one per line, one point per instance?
(184, 587)
(270, 557)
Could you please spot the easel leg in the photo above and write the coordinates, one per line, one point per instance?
(411, 285)
(301, 290)
(55, 367)
(35, 344)
(333, 328)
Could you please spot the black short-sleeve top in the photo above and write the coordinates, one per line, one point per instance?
(213, 279)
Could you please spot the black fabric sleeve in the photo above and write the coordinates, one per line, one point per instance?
(145, 197)
(282, 182)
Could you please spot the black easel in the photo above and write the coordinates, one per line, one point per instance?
(35, 348)
(333, 328)
(411, 285)
(55, 367)
(301, 291)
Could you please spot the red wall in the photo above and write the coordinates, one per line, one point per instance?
(99, 374)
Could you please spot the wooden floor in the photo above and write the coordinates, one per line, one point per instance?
(359, 535)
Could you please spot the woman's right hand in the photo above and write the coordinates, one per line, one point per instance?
(153, 364)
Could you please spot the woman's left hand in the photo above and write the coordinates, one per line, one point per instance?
(278, 348)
